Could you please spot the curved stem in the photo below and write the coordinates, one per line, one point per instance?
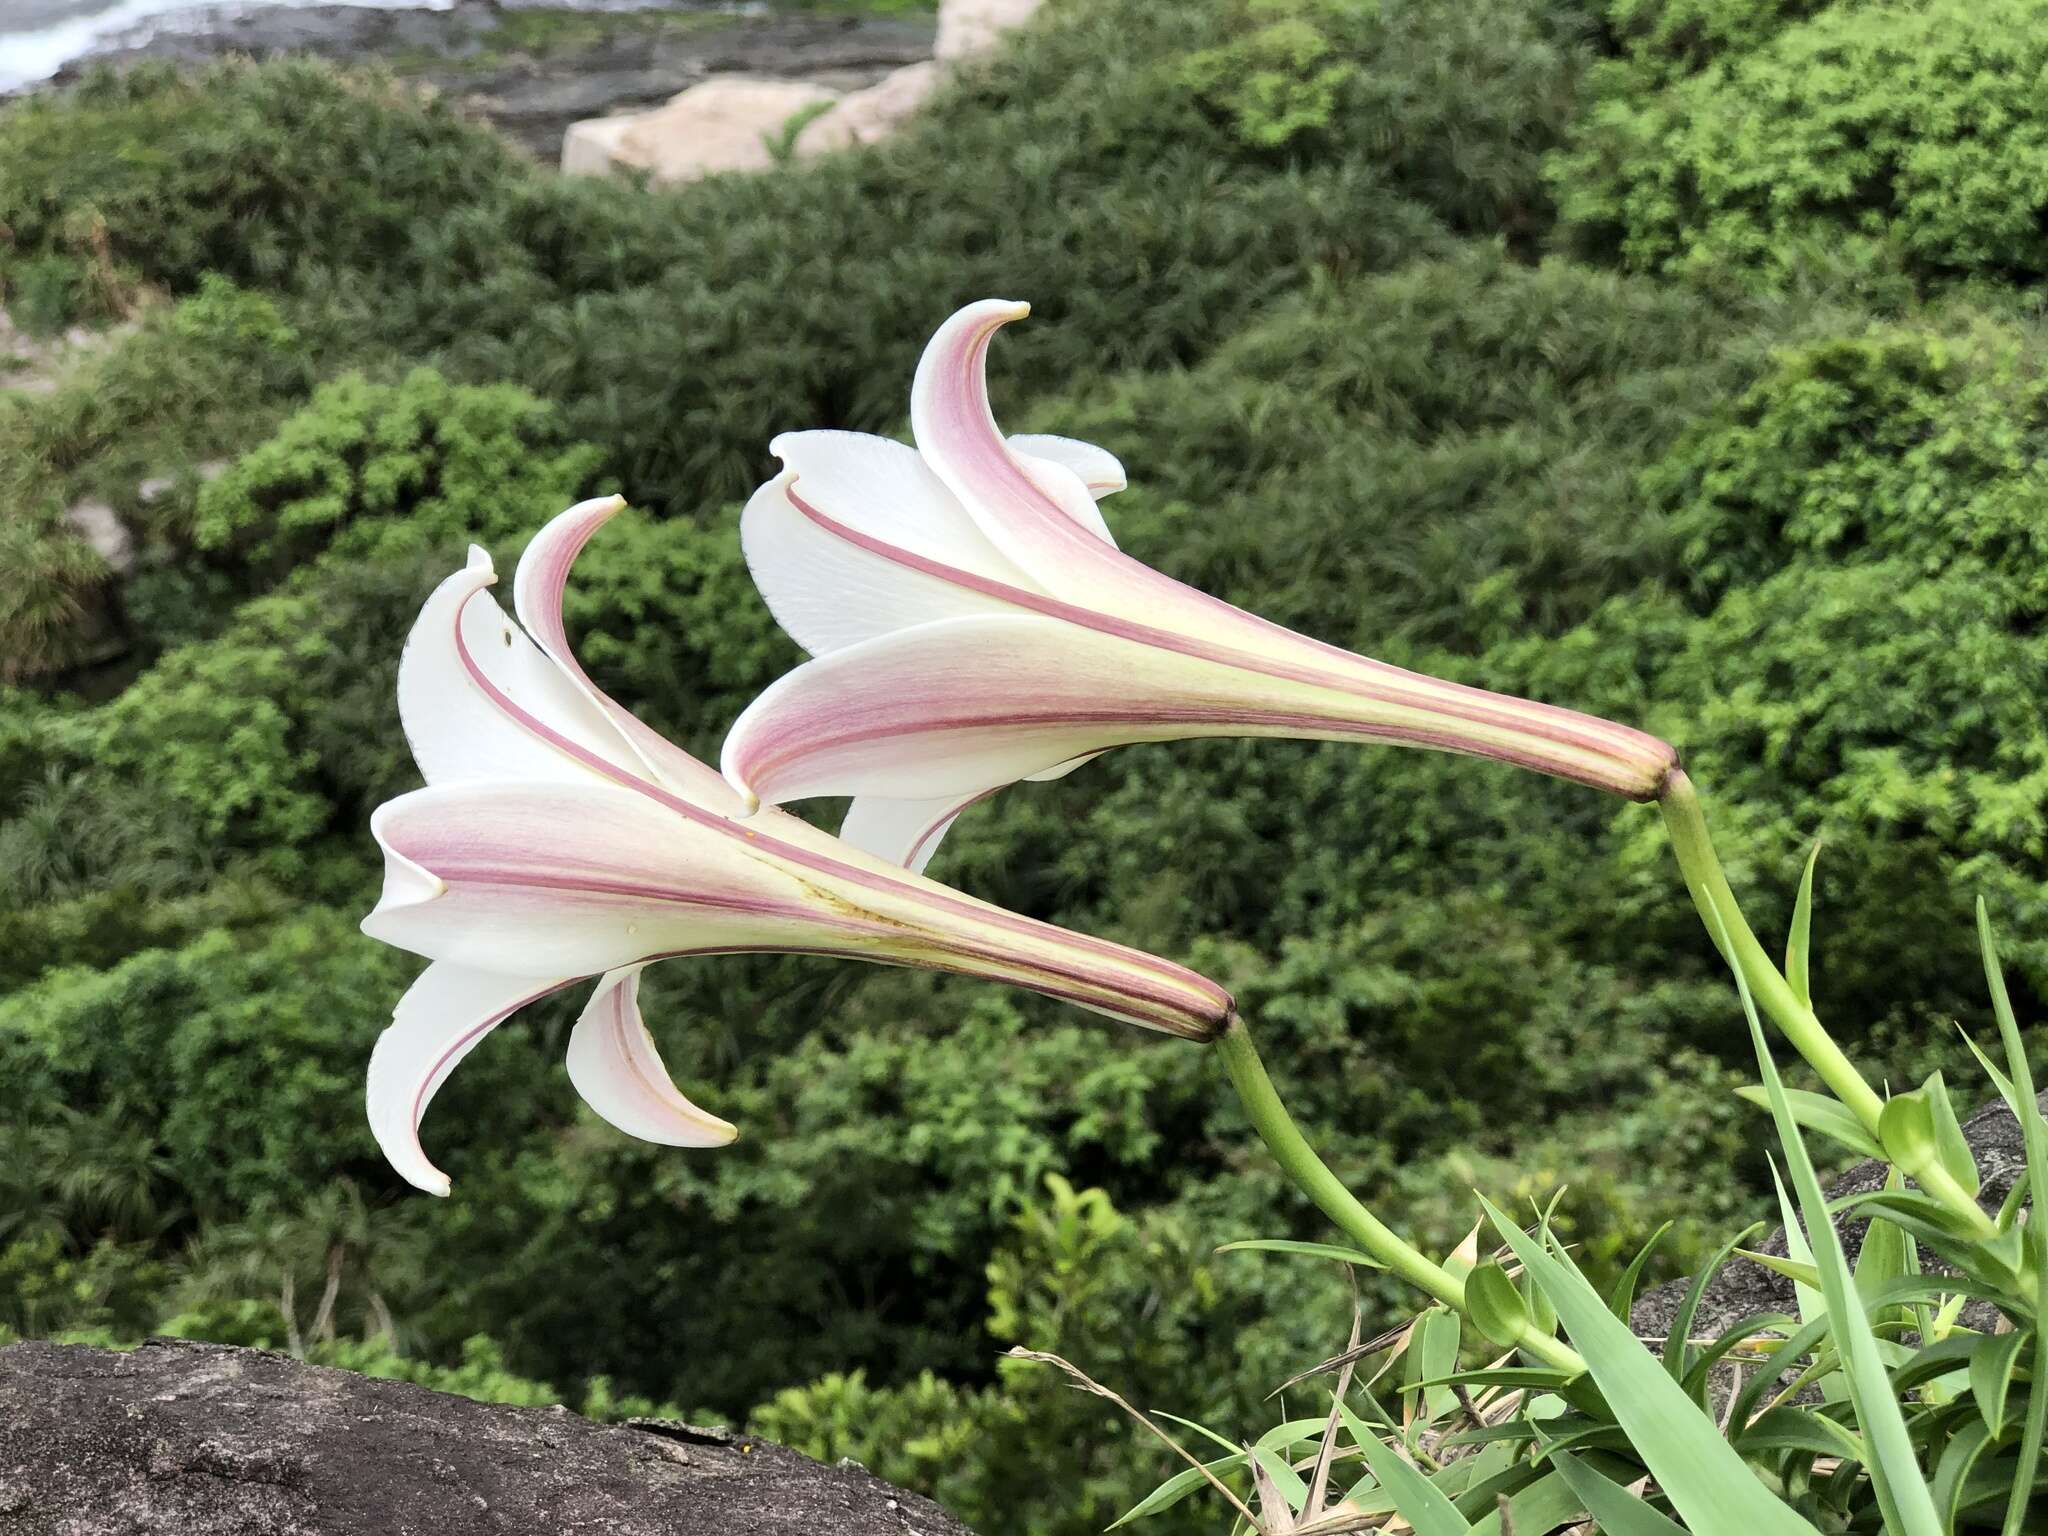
(1711, 894)
(1298, 1160)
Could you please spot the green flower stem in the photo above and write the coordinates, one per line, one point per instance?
(1711, 895)
(1298, 1160)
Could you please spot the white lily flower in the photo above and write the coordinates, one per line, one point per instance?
(972, 623)
(560, 838)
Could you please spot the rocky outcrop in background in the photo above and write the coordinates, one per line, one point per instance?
(742, 123)
(185, 1439)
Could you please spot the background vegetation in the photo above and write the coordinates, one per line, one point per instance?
(1675, 359)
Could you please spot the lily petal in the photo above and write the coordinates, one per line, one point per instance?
(829, 591)
(905, 832)
(967, 705)
(1019, 512)
(438, 1022)
(1097, 468)
(615, 1066)
(537, 598)
(542, 879)
(472, 688)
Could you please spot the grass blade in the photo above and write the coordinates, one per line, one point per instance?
(2027, 1109)
(1895, 1475)
(1703, 1476)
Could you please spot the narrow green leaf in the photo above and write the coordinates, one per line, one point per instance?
(1895, 1474)
(2034, 1132)
(1799, 944)
(1176, 1488)
(1818, 1112)
(1200, 1429)
(1949, 1141)
(1804, 1277)
(1303, 1250)
(1433, 1355)
(1953, 1470)
(1992, 1363)
(1765, 1378)
(1614, 1509)
(1706, 1480)
(1419, 1503)
(1623, 1301)
(1543, 1505)
(1798, 1429)
(1675, 1356)
(1882, 1261)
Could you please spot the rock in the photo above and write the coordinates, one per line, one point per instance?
(591, 147)
(187, 1439)
(725, 124)
(106, 533)
(862, 117)
(971, 27)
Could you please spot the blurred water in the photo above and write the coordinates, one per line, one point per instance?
(39, 37)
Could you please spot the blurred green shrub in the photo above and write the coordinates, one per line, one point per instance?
(1914, 130)
(404, 468)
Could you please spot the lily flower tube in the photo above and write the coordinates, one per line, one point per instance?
(972, 623)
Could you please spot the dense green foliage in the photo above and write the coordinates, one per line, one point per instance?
(1295, 263)
(1911, 133)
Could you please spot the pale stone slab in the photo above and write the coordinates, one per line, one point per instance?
(863, 117)
(591, 147)
(724, 124)
(971, 27)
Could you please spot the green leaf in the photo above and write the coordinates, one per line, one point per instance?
(2034, 1132)
(1798, 1429)
(1423, 1506)
(1614, 1509)
(1432, 1356)
(1303, 1250)
(1495, 1306)
(1818, 1112)
(1885, 1258)
(1807, 1288)
(1284, 1477)
(1543, 1505)
(1765, 1377)
(1992, 1363)
(1675, 1341)
(1623, 1301)
(1949, 1140)
(1804, 1277)
(1200, 1429)
(1895, 1475)
(1176, 1488)
(1953, 1470)
(1799, 944)
(1707, 1482)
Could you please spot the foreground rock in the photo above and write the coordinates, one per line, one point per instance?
(183, 1439)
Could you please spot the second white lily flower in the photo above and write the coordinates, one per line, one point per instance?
(560, 838)
(973, 623)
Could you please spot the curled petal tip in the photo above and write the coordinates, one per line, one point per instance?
(480, 560)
